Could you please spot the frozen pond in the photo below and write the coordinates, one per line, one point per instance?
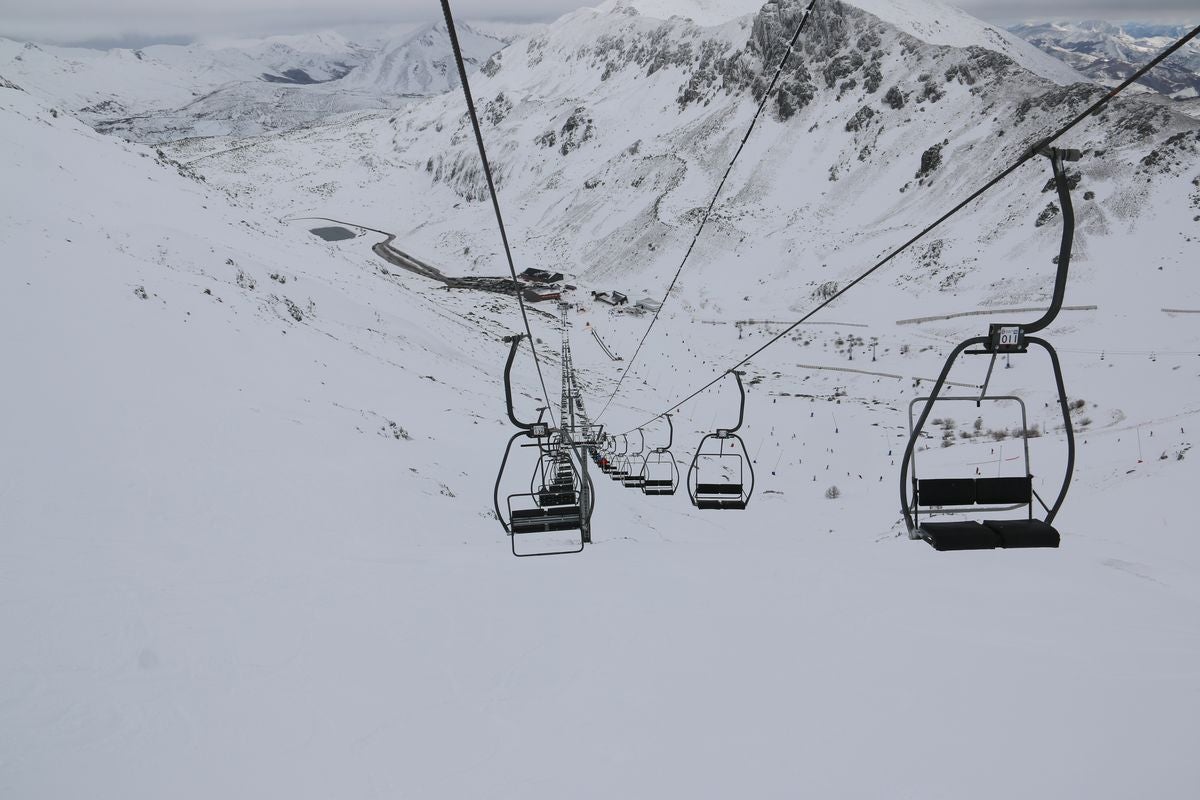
(334, 233)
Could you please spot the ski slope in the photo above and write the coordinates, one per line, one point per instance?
(250, 554)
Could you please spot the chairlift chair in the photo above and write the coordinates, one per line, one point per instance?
(620, 468)
(984, 496)
(635, 480)
(708, 481)
(554, 482)
(603, 456)
(559, 501)
(660, 473)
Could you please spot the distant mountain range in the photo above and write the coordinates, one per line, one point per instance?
(1107, 52)
(244, 87)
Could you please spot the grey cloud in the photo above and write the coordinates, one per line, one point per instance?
(1118, 10)
(144, 21)
(139, 22)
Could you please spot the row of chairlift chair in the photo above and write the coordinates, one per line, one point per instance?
(721, 473)
(657, 473)
(720, 476)
(559, 500)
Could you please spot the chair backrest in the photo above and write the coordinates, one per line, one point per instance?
(946, 492)
(999, 491)
(719, 488)
(970, 491)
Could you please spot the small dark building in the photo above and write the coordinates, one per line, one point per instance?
(532, 275)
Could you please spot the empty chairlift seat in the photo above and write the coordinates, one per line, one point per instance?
(981, 497)
(721, 476)
(989, 534)
(631, 479)
(726, 496)
(660, 475)
(546, 520)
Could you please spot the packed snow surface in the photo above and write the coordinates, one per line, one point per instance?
(246, 496)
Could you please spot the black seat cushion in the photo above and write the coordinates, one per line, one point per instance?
(1024, 532)
(720, 505)
(959, 536)
(946, 492)
(1000, 491)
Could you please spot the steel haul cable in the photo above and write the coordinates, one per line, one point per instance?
(1025, 157)
(712, 203)
(487, 172)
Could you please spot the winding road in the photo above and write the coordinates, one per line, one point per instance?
(401, 259)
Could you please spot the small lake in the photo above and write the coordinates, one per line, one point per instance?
(334, 233)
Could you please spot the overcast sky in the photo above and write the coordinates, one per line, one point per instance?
(139, 22)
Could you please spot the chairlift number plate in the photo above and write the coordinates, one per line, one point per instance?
(1007, 339)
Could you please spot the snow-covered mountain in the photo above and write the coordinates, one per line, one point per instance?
(247, 474)
(608, 129)
(422, 63)
(1108, 53)
(90, 81)
(238, 87)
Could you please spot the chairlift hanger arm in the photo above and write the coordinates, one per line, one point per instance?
(539, 428)
(670, 434)
(1062, 184)
(737, 375)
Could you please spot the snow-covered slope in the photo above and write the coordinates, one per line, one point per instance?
(227, 570)
(1109, 53)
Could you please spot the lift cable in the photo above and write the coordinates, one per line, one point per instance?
(1033, 151)
(487, 171)
(712, 203)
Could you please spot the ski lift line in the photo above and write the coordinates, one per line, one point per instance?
(881, 374)
(1131, 352)
(983, 312)
(487, 171)
(1028, 155)
(746, 322)
(713, 202)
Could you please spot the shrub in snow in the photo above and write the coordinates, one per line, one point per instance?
(1048, 213)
